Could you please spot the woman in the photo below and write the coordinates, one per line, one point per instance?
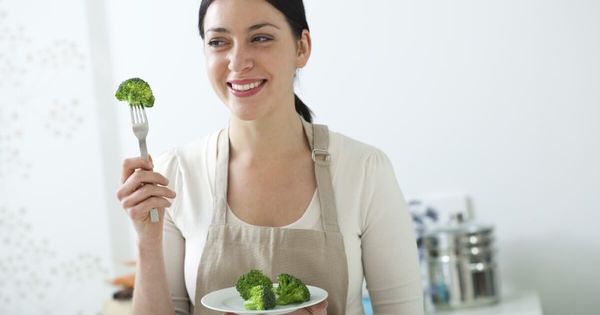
(272, 191)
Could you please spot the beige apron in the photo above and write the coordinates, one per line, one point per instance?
(316, 257)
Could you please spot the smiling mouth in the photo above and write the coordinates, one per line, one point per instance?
(246, 87)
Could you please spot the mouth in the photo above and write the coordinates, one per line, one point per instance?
(245, 88)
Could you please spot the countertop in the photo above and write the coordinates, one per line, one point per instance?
(524, 303)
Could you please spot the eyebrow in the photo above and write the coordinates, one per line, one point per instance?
(251, 28)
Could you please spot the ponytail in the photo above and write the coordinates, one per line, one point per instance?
(302, 109)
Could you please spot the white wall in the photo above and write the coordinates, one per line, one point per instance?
(496, 98)
(55, 253)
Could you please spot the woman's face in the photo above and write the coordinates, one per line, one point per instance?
(251, 56)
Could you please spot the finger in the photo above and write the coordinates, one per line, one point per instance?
(145, 192)
(131, 164)
(140, 212)
(138, 179)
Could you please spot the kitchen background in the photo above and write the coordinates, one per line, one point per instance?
(499, 100)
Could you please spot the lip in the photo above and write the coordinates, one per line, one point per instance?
(248, 93)
(244, 81)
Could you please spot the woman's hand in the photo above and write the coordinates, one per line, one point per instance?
(140, 191)
(318, 309)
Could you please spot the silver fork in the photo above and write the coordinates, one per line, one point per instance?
(139, 121)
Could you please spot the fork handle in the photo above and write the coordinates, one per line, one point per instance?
(143, 148)
(144, 153)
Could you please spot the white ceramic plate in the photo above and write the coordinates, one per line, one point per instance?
(229, 300)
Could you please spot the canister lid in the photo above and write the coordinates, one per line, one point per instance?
(463, 234)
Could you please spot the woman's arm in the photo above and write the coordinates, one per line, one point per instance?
(151, 294)
(389, 251)
(142, 190)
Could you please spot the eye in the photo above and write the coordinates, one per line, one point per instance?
(261, 38)
(216, 43)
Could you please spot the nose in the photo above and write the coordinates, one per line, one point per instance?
(240, 59)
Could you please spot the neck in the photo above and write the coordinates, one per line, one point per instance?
(275, 136)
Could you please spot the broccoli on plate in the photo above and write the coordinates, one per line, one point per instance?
(136, 92)
(291, 290)
(251, 279)
(261, 298)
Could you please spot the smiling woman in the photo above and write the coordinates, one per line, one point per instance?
(277, 48)
(272, 191)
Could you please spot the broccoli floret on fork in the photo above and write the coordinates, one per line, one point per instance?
(136, 92)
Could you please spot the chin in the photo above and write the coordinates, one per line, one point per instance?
(245, 112)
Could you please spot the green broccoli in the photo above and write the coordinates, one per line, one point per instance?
(261, 298)
(251, 279)
(136, 92)
(291, 290)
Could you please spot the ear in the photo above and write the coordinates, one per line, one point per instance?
(304, 48)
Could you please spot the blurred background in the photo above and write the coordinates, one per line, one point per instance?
(495, 100)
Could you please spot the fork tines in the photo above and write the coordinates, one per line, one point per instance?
(138, 114)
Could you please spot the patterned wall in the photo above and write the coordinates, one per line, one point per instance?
(54, 247)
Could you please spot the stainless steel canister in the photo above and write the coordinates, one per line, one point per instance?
(462, 266)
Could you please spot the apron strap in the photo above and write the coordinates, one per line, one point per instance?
(221, 176)
(318, 139)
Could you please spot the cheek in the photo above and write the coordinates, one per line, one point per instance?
(281, 65)
(216, 68)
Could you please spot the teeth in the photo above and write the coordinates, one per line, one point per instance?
(246, 87)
